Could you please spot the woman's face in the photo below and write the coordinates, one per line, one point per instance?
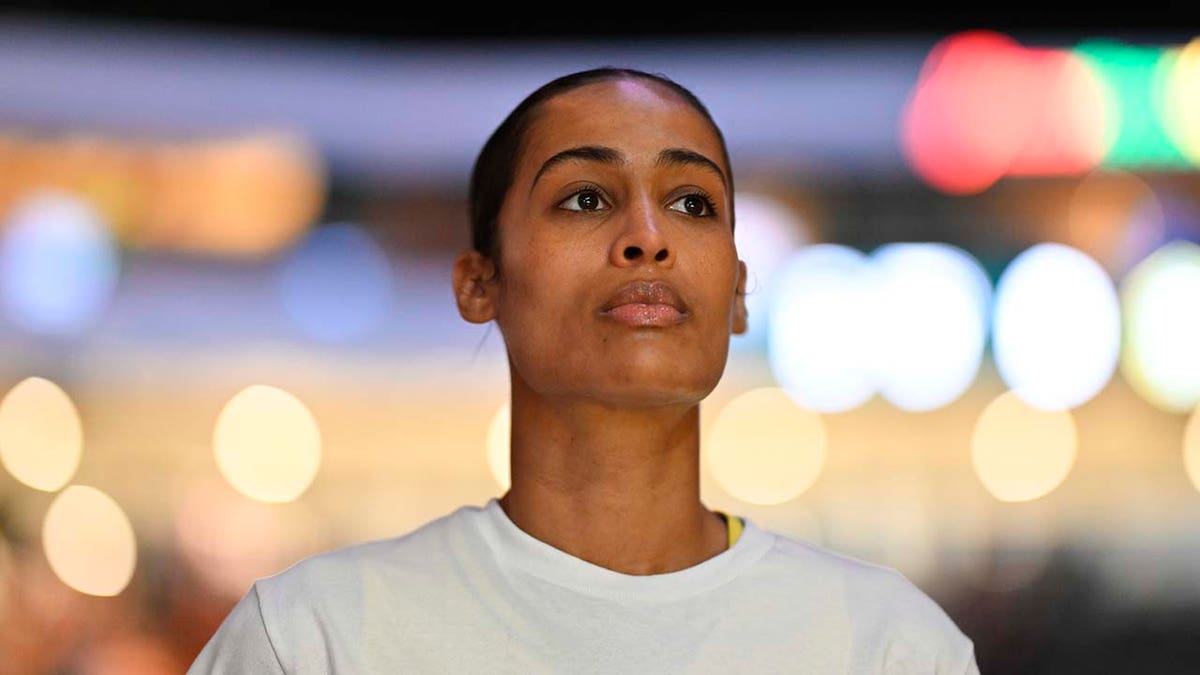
(619, 280)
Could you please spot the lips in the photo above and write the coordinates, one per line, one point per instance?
(646, 304)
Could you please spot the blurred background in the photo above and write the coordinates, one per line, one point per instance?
(228, 340)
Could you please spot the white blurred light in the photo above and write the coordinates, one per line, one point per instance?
(1161, 299)
(58, 264)
(1021, 452)
(337, 286)
(267, 444)
(932, 306)
(499, 455)
(766, 232)
(89, 541)
(764, 449)
(821, 333)
(1057, 327)
(41, 437)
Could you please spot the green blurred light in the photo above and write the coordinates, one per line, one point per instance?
(1135, 79)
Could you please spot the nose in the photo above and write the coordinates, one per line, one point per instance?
(642, 239)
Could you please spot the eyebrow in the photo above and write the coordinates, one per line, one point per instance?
(587, 153)
(682, 157)
(599, 153)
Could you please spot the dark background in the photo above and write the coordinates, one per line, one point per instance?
(386, 21)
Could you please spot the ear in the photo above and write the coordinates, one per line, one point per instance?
(475, 287)
(740, 315)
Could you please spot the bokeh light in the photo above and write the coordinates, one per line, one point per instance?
(1073, 125)
(1056, 327)
(230, 541)
(267, 444)
(89, 541)
(764, 449)
(242, 195)
(1135, 80)
(1116, 218)
(58, 264)
(499, 453)
(1020, 452)
(821, 334)
(932, 302)
(1161, 302)
(968, 116)
(1191, 448)
(767, 233)
(126, 651)
(246, 196)
(1180, 103)
(336, 286)
(41, 437)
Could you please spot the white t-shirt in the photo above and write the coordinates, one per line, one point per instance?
(471, 592)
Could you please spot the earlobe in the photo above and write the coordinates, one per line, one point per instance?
(740, 314)
(474, 289)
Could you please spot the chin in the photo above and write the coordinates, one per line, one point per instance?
(657, 389)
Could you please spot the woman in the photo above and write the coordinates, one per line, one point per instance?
(602, 214)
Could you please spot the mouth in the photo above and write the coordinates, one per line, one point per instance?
(646, 304)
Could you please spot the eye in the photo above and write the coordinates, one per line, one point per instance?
(695, 204)
(588, 199)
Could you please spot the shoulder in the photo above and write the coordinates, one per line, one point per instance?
(885, 607)
(314, 609)
(813, 559)
(344, 576)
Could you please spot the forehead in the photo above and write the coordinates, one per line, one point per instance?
(638, 118)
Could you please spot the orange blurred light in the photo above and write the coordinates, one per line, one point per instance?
(245, 196)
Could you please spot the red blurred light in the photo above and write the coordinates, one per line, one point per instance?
(969, 114)
(985, 107)
(1068, 134)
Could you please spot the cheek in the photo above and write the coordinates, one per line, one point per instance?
(719, 265)
(540, 279)
(542, 301)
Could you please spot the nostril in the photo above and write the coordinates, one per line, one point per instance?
(661, 255)
(632, 252)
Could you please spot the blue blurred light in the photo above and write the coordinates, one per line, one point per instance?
(58, 264)
(337, 286)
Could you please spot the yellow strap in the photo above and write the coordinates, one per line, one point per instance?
(734, 525)
(735, 530)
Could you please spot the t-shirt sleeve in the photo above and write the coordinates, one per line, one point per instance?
(241, 644)
(925, 640)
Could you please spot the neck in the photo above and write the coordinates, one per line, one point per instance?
(618, 487)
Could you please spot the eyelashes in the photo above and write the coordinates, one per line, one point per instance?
(709, 209)
(591, 199)
(590, 194)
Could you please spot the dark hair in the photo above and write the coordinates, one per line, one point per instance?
(496, 164)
